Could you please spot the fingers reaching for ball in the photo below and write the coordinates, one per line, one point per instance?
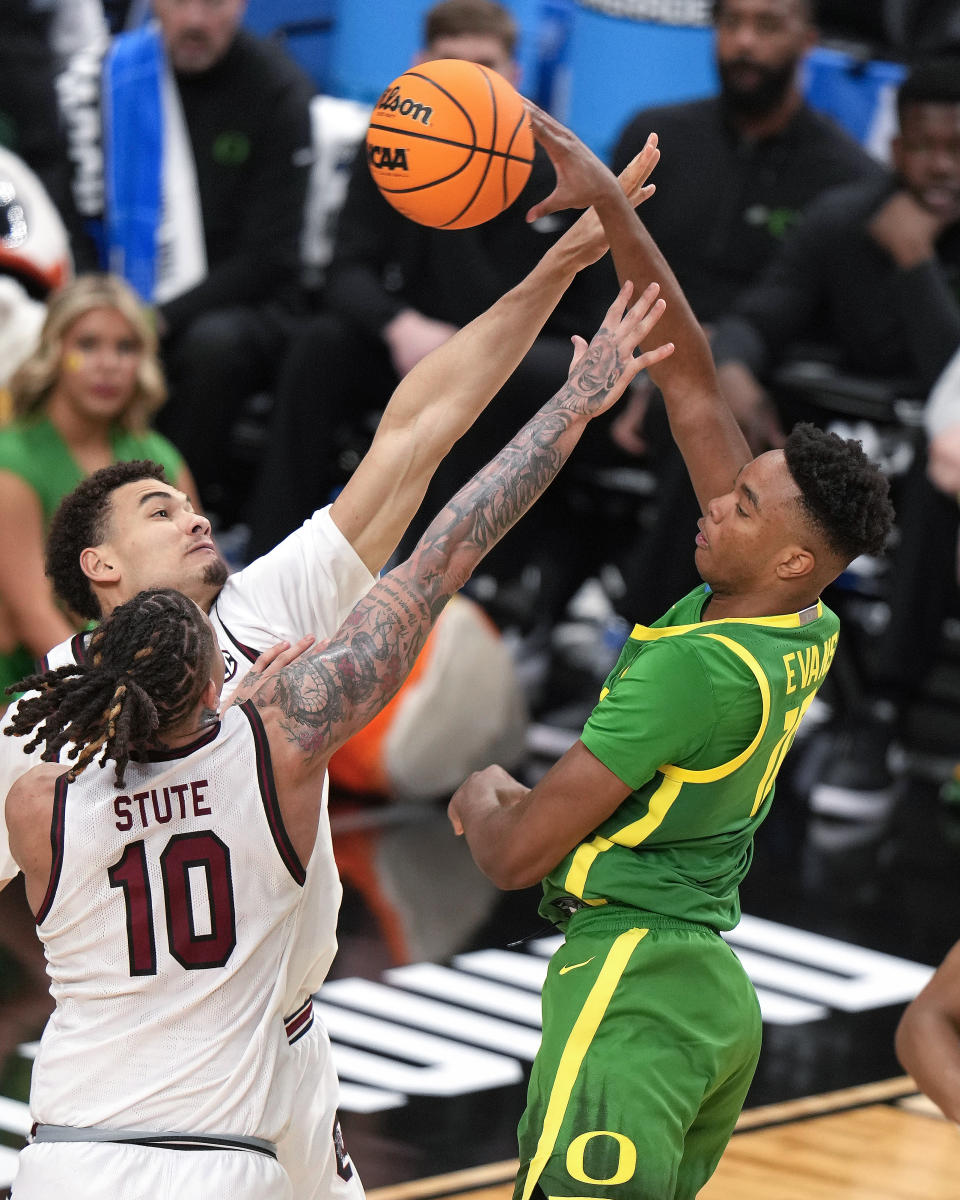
(633, 178)
(601, 372)
(581, 176)
(586, 237)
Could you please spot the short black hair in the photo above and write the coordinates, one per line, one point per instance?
(843, 494)
(936, 81)
(81, 521)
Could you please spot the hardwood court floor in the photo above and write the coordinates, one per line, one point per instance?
(876, 1142)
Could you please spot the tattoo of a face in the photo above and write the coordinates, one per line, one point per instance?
(596, 373)
(327, 695)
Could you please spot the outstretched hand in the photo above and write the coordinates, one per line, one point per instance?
(586, 236)
(581, 176)
(601, 371)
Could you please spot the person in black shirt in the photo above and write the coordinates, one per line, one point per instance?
(738, 169)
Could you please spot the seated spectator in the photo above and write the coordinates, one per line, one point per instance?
(395, 290)
(874, 270)
(82, 400)
(206, 150)
(738, 170)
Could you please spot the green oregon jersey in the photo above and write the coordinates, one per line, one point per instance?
(696, 717)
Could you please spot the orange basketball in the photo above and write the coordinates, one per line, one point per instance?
(449, 144)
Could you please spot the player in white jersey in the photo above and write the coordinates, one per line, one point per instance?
(105, 545)
(170, 982)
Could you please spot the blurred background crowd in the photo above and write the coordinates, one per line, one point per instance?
(196, 267)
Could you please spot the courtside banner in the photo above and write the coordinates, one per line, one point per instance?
(658, 12)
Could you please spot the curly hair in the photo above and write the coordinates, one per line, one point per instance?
(81, 521)
(149, 663)
(844, 495)
(35, 379)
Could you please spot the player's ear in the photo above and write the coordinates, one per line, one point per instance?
(96, 563)
(795, 563)
(211, 696)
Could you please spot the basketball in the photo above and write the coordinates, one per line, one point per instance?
(449, 144)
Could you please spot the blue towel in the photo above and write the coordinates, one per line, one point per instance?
(133, 155)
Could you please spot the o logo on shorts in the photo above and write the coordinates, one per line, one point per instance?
(626, 1157)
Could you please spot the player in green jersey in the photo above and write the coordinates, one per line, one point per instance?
(643, 830)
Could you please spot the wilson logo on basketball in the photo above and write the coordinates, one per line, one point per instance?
(393, 101)
(388, 158)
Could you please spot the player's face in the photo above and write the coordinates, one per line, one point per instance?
(482, 48)
(927, 155)
(155, 539)
(198, 33)
(758, 46)
(743, 535)
(99, 359)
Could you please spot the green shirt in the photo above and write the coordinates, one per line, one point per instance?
(696, 717)
(32, 449)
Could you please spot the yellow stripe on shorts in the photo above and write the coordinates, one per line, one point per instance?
(578, 1043)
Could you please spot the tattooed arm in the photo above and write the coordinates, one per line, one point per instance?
(325, 696)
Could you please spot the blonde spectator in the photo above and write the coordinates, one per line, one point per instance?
(82, 400)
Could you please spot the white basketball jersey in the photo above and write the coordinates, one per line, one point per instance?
(307, 584)
(167, 926)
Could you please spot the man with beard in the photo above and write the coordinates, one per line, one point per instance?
(738, 169)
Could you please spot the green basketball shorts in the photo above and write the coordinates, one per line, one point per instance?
(651, 1034)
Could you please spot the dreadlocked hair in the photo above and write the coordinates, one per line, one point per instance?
(148, 664)
(81, 521)
(844, 495)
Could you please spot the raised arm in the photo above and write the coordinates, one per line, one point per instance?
(928, 1037)
(317, 702)
(441, 397)
(704, 428)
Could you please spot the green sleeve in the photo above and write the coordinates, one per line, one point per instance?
(660, 710)
(685, 701)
